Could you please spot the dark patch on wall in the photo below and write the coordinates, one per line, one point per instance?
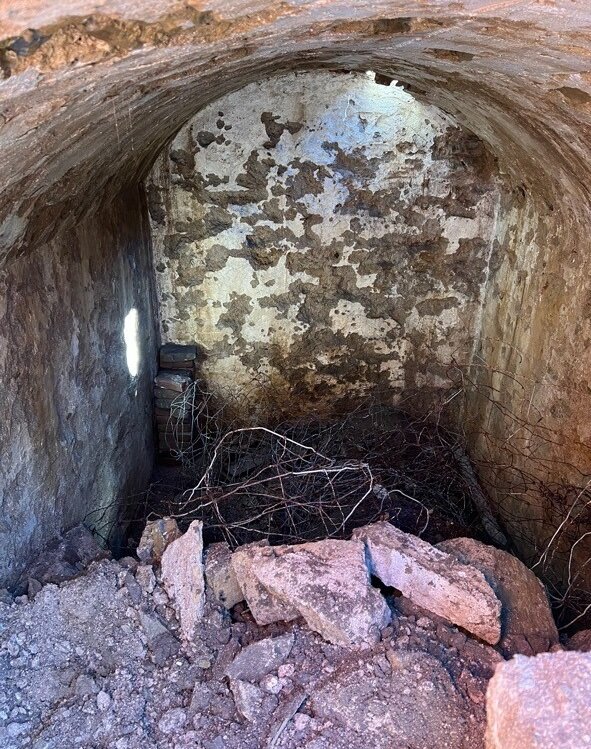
(275, 129)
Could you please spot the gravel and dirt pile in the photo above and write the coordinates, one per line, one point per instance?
(99, 662)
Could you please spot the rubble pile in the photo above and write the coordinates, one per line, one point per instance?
(381, 640)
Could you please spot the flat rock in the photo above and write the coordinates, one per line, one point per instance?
(540, 703)
(157, 535)
(527, 624)
(258, 659)
(434, 580)
(328, 584)
(182, 577)
(220, 577)
(414, 705)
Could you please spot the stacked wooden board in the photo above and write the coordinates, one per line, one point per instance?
(174, 396)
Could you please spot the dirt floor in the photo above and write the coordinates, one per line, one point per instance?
(97, 662)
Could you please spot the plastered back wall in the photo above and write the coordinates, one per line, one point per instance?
(324, 234)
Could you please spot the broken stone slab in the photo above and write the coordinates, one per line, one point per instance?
(326, 582)
(146, 578)
(527, 624)
(157, 535)
(264, 606)
(258, 659)
(176, 353)
(220, 577)
(248, 699)
(434, 580)
(182, 577)
(542, 702)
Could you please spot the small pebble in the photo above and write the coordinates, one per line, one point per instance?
(286, 670)
(301, 721)
(103, 701)
(271, 684)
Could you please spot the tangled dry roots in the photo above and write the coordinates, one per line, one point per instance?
(303, 479)
(308, 479)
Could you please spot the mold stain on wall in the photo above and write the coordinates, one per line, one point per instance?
(326, 234)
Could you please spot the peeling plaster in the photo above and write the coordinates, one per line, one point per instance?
(309, 227)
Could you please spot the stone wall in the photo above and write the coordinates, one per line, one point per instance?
(325, 236)
(76, 427)
(92, 91)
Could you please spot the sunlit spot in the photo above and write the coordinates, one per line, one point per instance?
(130, 336)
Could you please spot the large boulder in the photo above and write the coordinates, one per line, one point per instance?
(540, 703)
(182, 577)
(264, 606)
(434, 580)
(327, 583)
(527, 624)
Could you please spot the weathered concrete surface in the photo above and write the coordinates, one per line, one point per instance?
(540, 703)
(527, 624)
(90, 98)
(326, 582)
(325, 234)
(76, 431)
(182, 577)
(264, 605)
(432, 579)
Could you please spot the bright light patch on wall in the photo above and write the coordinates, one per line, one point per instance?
(130, 336)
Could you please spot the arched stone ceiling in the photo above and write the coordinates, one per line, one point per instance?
(92, 90)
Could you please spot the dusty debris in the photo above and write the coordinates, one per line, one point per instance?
(540, 703)
(59, 651)
(157, 535)
(434, 580)
(182, 577)
(414, 704)
(220, 576)
(327, 583)
(527, 624)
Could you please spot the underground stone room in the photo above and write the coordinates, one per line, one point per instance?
(295, 342)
